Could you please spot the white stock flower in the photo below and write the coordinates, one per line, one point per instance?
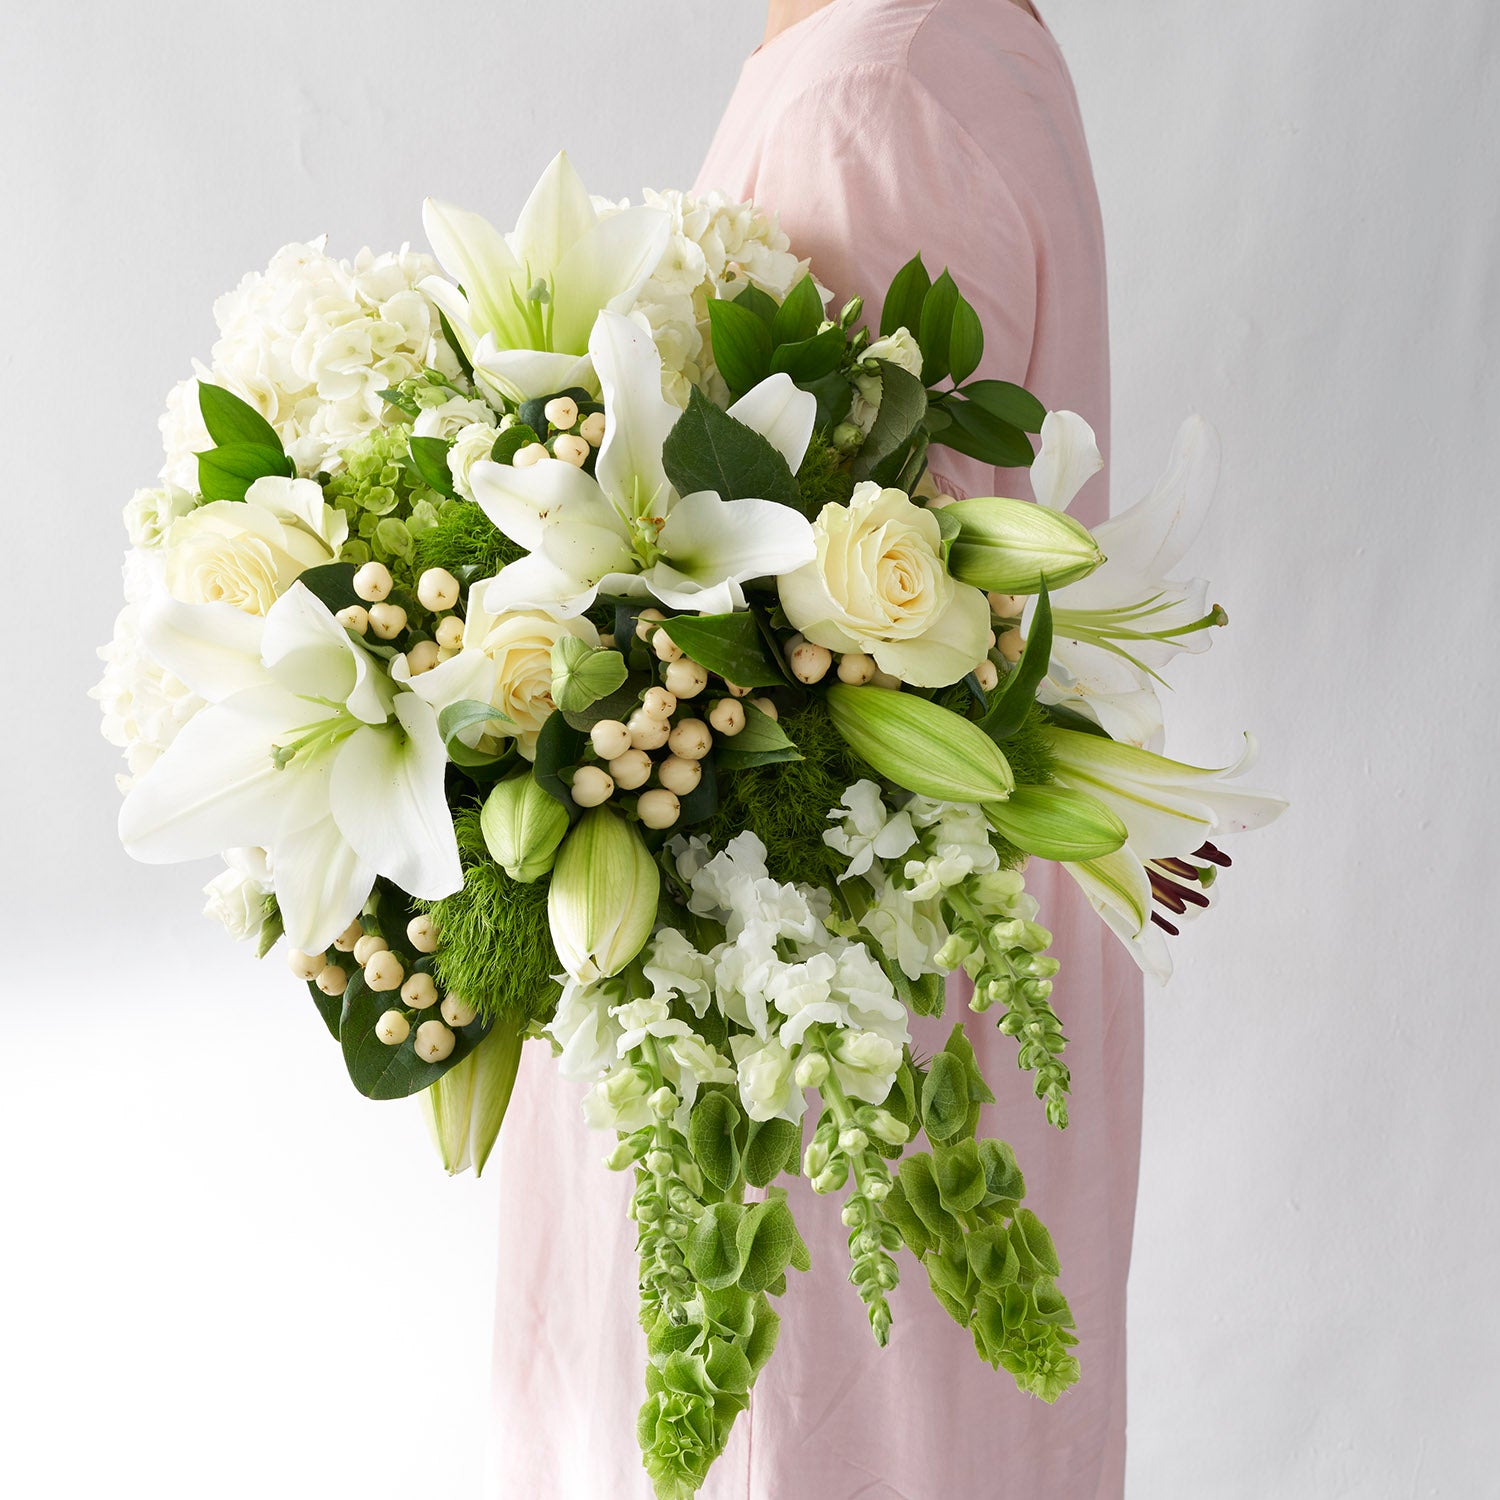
(149, 514)
(870, 830)
(865, 1064)
(768, 1089)
(248, 552)
(909, 932)
(803, 993)
(649, 1015)
(878, 584)
(620, 1100)
(584, 1027)
(676, 967)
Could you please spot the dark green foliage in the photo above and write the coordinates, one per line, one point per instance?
(495, 948)
(823, 479)
(466, 542)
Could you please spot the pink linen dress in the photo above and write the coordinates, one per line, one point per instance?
(876, 128)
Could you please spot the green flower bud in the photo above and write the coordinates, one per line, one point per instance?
(919, 744)
(466, 1106)
(1057, 822)
(602, 900)
(1010, 546)
(523, 827)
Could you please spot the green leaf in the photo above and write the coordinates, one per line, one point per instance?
(429, 457)
(960, 1177)
(945, 1098)
(921, 1189)
(330, 1007)
(455, 718)
(798, 317)
(707, 449)
(762, 742)
(923, 995)
(812, 358)
(1002, 1174)
(903, 302)
(711, 1137)
(402, 401)
(333, 584)
(977, 434)
(730, 645)
(1010, 403)
(834, 396)
(226, 472)
(382, 1072)
(1037, 1241)
(559, 747)
(230, 420)
(767, 1242)
(919, 1239)
(762, 304)
(903, 405)
(773, 1147)
(711, 1249)
(991, 1258)
(1013, 699)
(965, 342)
(741, 344)
(619, 704)
(451, 339)
(935, 334)
(510, 442)
(583, 674)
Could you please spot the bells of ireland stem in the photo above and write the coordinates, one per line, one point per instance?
(1057, 822)
(466, 1106)
(602, 899)
(523, 827)
(1010, 546)
(919, 744)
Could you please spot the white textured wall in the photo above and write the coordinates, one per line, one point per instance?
(226, 1271)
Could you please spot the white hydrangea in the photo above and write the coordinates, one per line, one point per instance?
(310, 342)
(144, 706)
(718, 246)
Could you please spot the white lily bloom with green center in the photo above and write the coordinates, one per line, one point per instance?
(1171, 811)
(626, 531)
(1114, 630)
(306, 749)
(529, 298)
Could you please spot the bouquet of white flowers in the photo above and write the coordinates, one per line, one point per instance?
(574, 650)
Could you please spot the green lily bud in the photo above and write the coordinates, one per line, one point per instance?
(466, 1106)
(919, 744)
(1057, 822)
(602, 900)
(1010, 546)
(522, 827)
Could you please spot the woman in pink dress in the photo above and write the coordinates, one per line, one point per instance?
(876, 128)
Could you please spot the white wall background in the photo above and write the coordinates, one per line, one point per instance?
(225, 1274)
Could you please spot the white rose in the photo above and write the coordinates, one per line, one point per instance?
(878, 584)
(472, 443)
(149, 514)
(249, 552)
(448, 417)
(237, 898)
(899, 348)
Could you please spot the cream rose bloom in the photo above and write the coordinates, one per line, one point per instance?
(249, 552)
(506, 661)
(878, 585)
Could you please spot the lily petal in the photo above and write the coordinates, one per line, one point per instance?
(637, 416)
(605, 270)
(1068, 457)
(474, 253)
(213, 648)
(311, 655)
(519, 501)
(712, 540)
(780, 413)
(321, 884)
(536, 582)
(520, 374)
(556, 216)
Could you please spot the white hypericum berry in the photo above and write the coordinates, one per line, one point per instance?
(346, 940)
(305, 965)
(437, 590)
(422, 933)
(332, 980)
(561, 411)
(810, 663)
(450, 633)
(987, 675)
(592, 785)
(647, 733)
(727, 716)
(532, 453)
(354, 617)
(367, 947)
(856, 667)
(1007, 606)
(571, 450)
(658, 808)
(592, 430)
(679, 775)
(659, 703)
(790, 644)
(766, 707)
(393, 1028)
(420, 992)
(737, 692)
(690, 739)
(387, 620)
(383, 971)
(630, 770)
(1011, 644)
(887, 680)
(423, 657)
(990, 639)
(457, 1012)
(685, 678)
(645, 623)
(665, 647)
(373, 582)
(434, 1041)
(610, 738)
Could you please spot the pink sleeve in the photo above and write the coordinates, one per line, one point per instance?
(865, 169)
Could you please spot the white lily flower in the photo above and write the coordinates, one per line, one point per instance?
(625, 530)
(307, 750)
(1172, 811)
(530, 297)
(1115, 629)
